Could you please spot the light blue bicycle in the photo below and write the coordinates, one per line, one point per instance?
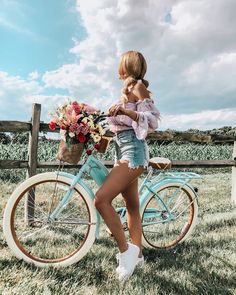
(50, 218)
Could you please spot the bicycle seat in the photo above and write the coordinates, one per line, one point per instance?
(160, 163)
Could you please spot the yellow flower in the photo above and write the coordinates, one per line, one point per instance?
(101, 130)
(91, 124)
(85, 120)
(96, 137)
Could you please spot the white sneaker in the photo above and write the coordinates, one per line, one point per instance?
(127, 262)
(140, 261)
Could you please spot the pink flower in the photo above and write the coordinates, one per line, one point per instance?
(84, 128)
(89, 109)
(52, 125)
(81, 137)
(74, 128)
(62, 126)
(76, 107)
(89, 152)
(71, 116)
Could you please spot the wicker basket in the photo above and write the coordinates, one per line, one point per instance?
(70, 154)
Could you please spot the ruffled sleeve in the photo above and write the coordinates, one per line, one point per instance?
(149, 116)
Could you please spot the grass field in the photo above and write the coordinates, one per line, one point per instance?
(204, 264)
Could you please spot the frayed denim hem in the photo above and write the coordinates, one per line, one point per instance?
(136, 167)
(132, 166)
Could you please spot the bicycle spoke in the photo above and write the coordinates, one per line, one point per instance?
(26, 235)
(175, 212)
(47, 238)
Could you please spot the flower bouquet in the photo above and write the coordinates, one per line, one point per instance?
(80, 128)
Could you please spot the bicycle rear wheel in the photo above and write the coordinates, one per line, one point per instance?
(36, 237)
(165, 228)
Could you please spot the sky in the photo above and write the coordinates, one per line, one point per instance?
(54, 50)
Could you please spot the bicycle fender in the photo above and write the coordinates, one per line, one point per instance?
(90, 193)
(155, 187)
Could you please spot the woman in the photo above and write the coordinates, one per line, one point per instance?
(131, 119)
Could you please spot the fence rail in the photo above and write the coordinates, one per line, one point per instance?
(17, 126)
(34, 126)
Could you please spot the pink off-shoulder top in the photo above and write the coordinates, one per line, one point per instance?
(149, 116)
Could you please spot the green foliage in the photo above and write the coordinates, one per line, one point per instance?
(47, 150)
(4, 138)
(20, 137)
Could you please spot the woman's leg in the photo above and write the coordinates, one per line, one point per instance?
(130, 194)
(117, 181)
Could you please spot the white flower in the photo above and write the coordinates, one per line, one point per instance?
(62, 132)
(71, 134)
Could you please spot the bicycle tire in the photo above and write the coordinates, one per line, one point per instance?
(66, 240)
(161, 233)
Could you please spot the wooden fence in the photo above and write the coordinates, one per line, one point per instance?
(35, 126)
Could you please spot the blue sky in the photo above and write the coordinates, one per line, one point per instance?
(36, 36)
(51, 50)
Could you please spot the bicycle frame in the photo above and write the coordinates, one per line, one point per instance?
(98, 173)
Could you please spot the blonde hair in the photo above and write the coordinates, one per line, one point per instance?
(132, 67)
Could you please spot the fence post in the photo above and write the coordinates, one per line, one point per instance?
(32, 159)
(233, 191)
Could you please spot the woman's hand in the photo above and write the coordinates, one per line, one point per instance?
(119, 110)
(116, 110)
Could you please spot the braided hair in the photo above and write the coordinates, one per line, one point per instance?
(132, 68)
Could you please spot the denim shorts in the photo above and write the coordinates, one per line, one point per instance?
(129, 147)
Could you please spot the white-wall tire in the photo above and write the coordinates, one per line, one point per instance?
(191, 225)
(8, 212)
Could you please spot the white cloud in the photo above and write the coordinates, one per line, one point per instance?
(14, 91)
(191, 57)
(49, 103)
(18, 94)
(203, 120)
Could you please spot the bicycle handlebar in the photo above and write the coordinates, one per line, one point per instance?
(101, 117)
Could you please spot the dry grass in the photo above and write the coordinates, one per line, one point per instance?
(205, 264)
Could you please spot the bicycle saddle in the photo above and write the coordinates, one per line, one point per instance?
(160, 163)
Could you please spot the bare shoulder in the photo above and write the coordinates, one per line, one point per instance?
(140, 91)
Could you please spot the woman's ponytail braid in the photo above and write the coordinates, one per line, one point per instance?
(125, 90)
(127, 83)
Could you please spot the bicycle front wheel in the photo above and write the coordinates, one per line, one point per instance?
(169, 216)
(36, 237)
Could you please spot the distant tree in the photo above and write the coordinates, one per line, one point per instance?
(4, 138)
(20, 137)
